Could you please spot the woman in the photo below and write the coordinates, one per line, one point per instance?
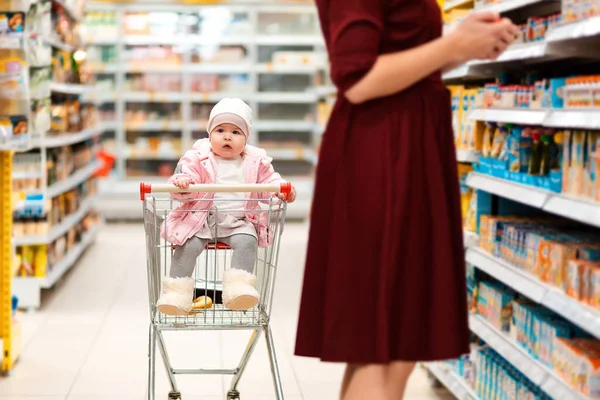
(384, 284)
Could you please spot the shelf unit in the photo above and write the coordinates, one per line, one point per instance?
(533, 369)
(280, 88)
(454, 383)
(61, 91)
(574, 41)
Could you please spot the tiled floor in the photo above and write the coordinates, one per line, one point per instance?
(89, 340)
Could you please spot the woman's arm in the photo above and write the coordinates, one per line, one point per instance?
(477, 37)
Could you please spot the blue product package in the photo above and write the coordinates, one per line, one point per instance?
(556, 181)
(557, 92)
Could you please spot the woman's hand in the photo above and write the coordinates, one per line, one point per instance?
(183, 182)
(483, 36)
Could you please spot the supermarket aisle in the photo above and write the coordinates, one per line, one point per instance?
(89, 341)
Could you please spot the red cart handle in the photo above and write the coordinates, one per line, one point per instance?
(147, 188)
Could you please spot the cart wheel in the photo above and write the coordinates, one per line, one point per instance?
(174, 395)
(233, 395)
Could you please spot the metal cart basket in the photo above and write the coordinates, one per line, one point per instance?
(269, 213)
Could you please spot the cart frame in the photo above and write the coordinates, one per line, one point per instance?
(213, 260)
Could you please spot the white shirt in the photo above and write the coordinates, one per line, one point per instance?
(230, 172)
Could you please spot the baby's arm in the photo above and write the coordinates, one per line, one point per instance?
(267, 175)
(189, 168)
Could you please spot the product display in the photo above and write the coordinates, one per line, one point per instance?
(527, 121)
(170, 67)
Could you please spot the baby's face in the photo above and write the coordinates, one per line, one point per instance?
(227, 141)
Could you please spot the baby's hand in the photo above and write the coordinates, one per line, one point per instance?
(183, 182)
(291, 198)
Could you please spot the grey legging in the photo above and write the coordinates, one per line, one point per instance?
(244, 254)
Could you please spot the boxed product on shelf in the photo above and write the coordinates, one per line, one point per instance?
(101, 24)
(530, 156)
(223, 55)
(142, 56)
(153, 82)
(496, 378)
(38, 260)
(557, 251)
(575, 10)
(546, 336)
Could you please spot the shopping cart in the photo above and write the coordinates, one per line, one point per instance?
(209, 269)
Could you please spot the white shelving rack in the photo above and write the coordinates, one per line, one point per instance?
(28, 289)
(568, 41)
(119, 191)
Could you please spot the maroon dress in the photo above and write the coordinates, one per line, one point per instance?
(385, 274)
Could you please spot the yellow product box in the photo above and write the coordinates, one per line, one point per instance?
(594, 287)
(591, 171)
(566, 161)
(40, 261)
(559, 256)
(456, 93)
(575, 282)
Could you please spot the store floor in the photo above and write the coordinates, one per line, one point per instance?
(89, 340)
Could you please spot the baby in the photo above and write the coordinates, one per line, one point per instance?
(223, 158)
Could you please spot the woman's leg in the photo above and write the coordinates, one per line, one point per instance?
(376, 381)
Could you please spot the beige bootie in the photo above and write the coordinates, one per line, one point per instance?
(239, 293)
(176, 297)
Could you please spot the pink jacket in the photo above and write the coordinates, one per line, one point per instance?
(199, 165)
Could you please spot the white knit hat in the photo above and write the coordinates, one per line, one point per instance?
(231, 111)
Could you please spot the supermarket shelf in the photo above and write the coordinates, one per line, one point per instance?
(564, 118)
(217, 96)
(510, 5)
(68, 138)
(521, 51)
(71, 258)
(578, 313)
(227, 68)
(154, 126)
(185, 40)
(285, 69)
(584, 119)
(515, 116)
(153, 96)
(283, 125)
(300, 154)
(290, 40)
(503, 271)
(27, 175)
(514, 353)
(77, 178)
(471, 239)
(285, 97)
(467, 156)
(28, 289)
(582, 31)
(139, 157)
(59, 230)
(575, 30)
(452, 4)
(524, 194)
(103, 68)
(323, 91)
(109, 125)
(454, 383)
(70, 88)
(100, 97)
(585, 211)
